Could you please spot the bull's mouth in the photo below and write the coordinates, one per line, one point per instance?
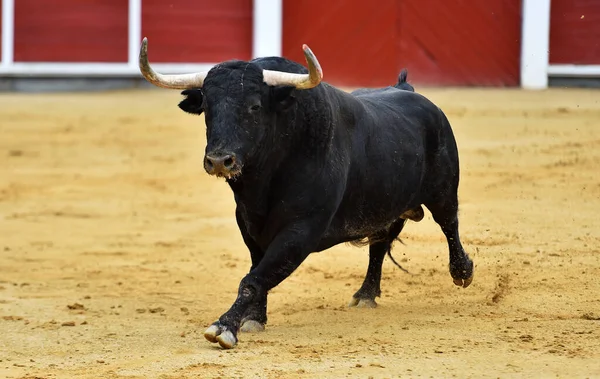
(232, 174)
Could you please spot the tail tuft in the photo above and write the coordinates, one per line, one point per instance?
(403, 76)
(402, 83)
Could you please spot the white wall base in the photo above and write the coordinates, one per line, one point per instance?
(96, 69)
(573, 70)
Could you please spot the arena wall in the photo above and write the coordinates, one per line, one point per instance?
(459, 43)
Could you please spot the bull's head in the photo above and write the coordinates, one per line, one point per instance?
(241, 103)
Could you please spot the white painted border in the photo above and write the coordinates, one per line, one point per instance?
(574, 70)
(134, 32)
(95, 69)
(535, 43)
(8, 30)
(267, 28)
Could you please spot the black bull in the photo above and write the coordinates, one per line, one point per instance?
(313, 168)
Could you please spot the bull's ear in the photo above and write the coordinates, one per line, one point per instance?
(192, 102)
(283, 97)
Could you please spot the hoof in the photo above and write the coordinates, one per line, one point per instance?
(462, 273)
(464, 283)
(362, 303)
(227, 340)
(252, 326)
(218, 334)
(211, 333)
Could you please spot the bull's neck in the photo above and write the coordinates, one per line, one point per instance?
(252, 187)
(306, 145)
(325, 111)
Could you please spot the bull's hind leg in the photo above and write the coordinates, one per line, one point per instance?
(379, 246)
(371, 287)
(445, 213)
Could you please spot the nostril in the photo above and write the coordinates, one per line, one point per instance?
(208, 163)
(228, 162)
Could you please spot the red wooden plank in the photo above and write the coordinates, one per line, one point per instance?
(440, 42)
(575, 32)
(462, 42)
(70, 31)
(197, 30)
(354, 40)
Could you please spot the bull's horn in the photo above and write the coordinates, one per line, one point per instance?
(300, 81)
(183, 81)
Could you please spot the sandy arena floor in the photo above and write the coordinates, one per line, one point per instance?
(117, 251)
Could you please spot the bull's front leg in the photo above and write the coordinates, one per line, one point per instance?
(285, 253)
(255, 317)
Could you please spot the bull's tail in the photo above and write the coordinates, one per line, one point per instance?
(389, 254)
(402, 83)
(396, 236)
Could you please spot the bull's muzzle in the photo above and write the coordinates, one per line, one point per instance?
(221, 164)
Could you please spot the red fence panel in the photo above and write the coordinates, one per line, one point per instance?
(197, 30)
(70, 31)
(575, 32)
(462, 42)
(440, 42)
(355, 41)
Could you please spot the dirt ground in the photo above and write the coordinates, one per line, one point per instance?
(117, 251)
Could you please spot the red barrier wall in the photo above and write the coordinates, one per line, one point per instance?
(440, 42)
(96, 30)
(575, 32)
(197, 30)
(359, 43)
(70, 31)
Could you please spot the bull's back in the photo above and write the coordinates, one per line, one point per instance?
(397, 128)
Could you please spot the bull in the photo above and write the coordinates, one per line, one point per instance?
(311, 166)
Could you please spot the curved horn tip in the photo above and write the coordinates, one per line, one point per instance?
(310, 56)
(144, 48)
(306, 49)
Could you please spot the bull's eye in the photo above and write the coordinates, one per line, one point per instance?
(255, 108)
